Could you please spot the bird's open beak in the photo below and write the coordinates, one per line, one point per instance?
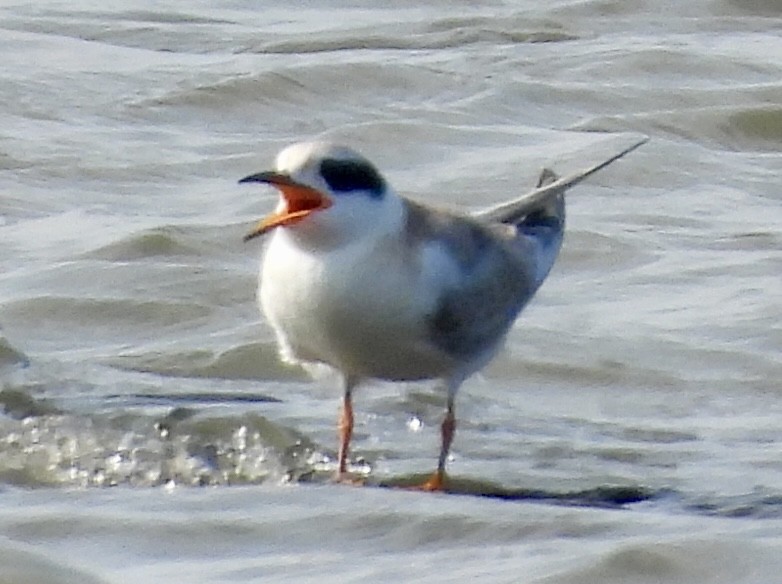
(300, 201)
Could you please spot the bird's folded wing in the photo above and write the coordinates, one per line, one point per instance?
(513, 211)
(491, 280)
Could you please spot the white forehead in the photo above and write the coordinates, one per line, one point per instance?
(297, 157)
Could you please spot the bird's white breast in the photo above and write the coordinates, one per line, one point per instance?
(360, 307)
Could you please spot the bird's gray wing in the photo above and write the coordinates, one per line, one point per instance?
(515, 210)
(502, 254)
(494, 279)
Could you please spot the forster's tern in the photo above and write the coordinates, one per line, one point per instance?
(375, 285)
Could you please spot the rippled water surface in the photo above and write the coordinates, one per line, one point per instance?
(630, 432)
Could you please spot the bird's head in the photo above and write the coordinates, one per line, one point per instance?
(326, 190)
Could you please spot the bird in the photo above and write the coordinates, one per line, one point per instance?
(378, 286)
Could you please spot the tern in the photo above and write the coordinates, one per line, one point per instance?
(377, 286)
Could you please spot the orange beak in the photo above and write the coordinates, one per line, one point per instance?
(300, 202)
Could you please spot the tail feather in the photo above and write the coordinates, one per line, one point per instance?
(539, 216)
(544, 228)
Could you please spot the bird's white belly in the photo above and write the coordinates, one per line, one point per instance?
(351, 310)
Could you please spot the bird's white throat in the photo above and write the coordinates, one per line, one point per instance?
(355, 219)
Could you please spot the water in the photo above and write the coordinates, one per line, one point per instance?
(629, 433)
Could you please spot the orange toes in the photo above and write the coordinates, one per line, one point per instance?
(435, 483)
(346, 478)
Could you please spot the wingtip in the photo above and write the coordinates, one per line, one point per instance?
(638, 144)
(511, 210)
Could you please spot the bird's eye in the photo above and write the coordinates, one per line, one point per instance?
(352, 175)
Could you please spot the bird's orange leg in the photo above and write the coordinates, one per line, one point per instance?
(345, 430)
(447, 430)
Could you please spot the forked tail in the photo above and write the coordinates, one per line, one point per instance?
(539, 215)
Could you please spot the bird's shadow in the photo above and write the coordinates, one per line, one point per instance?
(601, 496)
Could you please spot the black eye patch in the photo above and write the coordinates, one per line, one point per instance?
(352, 175)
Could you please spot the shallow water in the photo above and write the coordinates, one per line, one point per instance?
(630, 432)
